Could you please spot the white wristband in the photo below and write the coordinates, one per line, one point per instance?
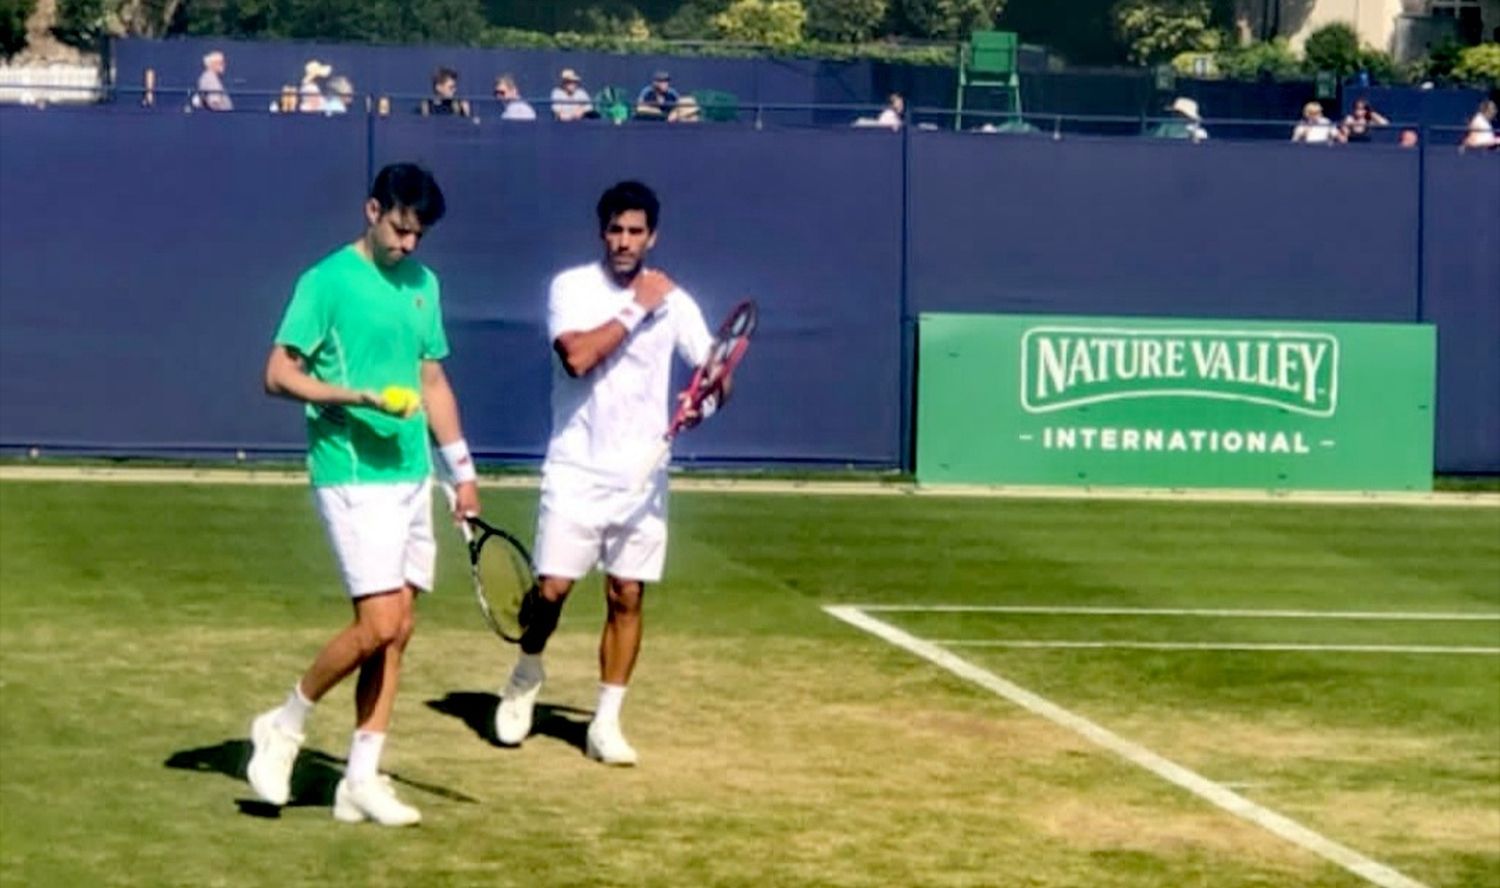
(630, 316)
(460, 464)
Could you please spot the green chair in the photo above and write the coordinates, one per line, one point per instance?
(717, 106)
(613, 104)
(989, 62)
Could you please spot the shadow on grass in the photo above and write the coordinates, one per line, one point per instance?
(315, 776)
(477, 710)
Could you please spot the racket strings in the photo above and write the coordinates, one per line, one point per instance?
(505, 582)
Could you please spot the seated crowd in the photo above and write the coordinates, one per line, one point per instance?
(323, 92)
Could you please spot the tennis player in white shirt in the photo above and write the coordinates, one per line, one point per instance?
(613, 325)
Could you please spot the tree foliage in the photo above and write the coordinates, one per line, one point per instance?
(385, 21)
(1479, 64)
(614, 18)
(13, 16)
(1336, 47)
(1157, 30)
(845, 21)
(765, 22)
(1333, 47)
(81, 23)
(944, 19)
(1271, 59)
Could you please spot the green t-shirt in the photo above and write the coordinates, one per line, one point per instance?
(365, 328)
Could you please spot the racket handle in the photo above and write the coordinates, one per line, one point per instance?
(451, 493)
(658, 457)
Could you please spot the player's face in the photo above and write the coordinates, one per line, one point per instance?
(393, 235)
(627, 240)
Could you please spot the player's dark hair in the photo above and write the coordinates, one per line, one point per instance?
(624, 197)
(408, 186)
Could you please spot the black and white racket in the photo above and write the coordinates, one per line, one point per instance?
(505, 584)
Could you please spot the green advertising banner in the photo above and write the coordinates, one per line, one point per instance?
(1032, 399)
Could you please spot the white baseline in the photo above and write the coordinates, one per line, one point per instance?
(1063, 610)
(1065, 644)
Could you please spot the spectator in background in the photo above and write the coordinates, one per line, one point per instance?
(339, 97)
(310, 93)
(570, 101)
(1481, 132)
(509, 96)
(1186, 122)
(893, 114)
(1409, 139)
(1357, 125)
(658, 99)
(687, 111)
(211, 95)
(1314, 128)
(444, 101)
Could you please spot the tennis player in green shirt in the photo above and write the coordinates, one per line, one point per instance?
(361, 339)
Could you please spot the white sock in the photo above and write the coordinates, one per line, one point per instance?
(529, 666)
(293, 713)
(364, 756)
(610, 699)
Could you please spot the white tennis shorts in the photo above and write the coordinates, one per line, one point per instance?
(381, 534)
(579, 527)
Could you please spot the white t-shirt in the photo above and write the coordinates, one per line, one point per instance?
(1481, 132)
(1319, 131)
(518, 109)
(570, 105)
(608, 422)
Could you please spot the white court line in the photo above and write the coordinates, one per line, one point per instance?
(751, 485)
(1372, 871)
(1060, 644)
(1432, 616)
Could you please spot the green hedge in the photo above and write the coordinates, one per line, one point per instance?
(945, 55)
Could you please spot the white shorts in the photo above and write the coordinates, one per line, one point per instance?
(579, 527)
(381, 534)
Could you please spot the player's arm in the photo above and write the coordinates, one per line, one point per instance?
(287, 377)
(442, 420)
(583, 350)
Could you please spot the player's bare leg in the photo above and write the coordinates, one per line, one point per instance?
(619, 646)
(363, 794)
(621, 642)
(372, 643)
(380, 620)
(392, 621)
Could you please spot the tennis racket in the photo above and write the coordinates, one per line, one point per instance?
(505, 583)
(705, 393)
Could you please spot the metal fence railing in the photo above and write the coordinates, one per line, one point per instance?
(719, 110)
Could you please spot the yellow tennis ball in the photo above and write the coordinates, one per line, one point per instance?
(400, 400)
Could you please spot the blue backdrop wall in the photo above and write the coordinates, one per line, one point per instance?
(145, 259)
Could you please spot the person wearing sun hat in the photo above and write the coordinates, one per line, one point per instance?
(570, 101)
(310, 94)
(1186, 122)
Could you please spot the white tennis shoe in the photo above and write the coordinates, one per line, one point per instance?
(373, 799)
(275, 751)
(517, 704)
(608, 745)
